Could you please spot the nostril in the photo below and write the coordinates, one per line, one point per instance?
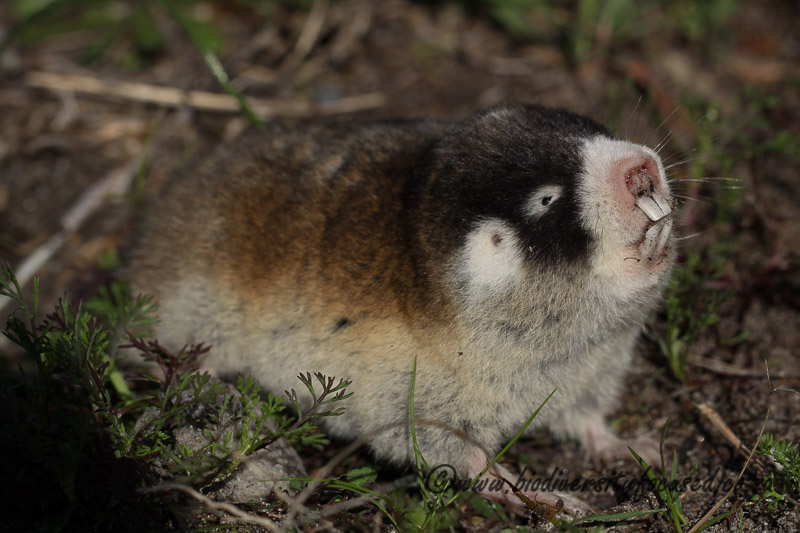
(641, 176)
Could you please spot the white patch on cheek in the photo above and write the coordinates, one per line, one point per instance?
(490, 260)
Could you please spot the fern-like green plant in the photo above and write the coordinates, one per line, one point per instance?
(78, 394)
(785, 454)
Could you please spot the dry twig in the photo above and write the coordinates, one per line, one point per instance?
(310, 34)
(116, 182)
(711, 414)
(723, 368)
(173, 97)
(706, 517)
(232, 510)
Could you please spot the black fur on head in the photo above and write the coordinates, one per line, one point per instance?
(490, 164)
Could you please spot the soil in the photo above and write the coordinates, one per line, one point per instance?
(729, 103)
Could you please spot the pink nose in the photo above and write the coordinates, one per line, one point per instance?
(640, 173)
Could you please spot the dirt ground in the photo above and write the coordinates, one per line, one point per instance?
(729, 102)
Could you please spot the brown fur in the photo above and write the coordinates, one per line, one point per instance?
(353, 250)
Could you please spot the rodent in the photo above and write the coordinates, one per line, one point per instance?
(513, 252)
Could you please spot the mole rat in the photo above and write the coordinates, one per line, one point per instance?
(512, 253)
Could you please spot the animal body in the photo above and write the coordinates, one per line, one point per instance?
(511, 253)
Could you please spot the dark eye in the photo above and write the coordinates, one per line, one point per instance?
(542, 199)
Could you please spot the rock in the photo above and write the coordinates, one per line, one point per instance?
(258, 474)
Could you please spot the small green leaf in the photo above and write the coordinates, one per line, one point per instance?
(362, 476)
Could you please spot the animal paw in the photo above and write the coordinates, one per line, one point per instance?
(604, 447)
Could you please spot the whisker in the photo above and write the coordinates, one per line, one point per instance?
(688, 190)
(627, 126)
(692, 198)
(701, 180)
(658, 147)
(679, 163)
(716, 178)
(690, 150)
(693, 235)
(677, 179)
(662, 124)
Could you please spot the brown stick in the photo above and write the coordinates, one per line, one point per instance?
(713, 416)
(706, 517)
(116, 182)
(233, 511)
(311, 30)
(173, 97)
(723, 368)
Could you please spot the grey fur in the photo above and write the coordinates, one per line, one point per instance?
(347, 250)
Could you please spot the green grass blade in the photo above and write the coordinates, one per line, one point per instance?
(720, 517)
(510, 443)
(213, 62)
(617, 516)
(420, 460)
